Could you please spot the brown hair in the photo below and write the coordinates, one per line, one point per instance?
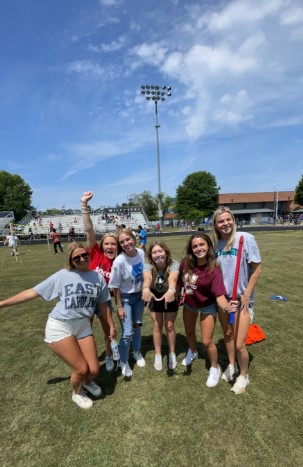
(169, 260)
(190, 260)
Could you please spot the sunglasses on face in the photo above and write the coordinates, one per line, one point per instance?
(77, 258)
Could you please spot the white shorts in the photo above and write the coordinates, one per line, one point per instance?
(56, 329)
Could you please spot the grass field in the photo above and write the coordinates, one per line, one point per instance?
(157, 418)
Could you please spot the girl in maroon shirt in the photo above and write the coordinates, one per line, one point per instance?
(203, 287)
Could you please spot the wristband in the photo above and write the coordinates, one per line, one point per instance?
(172, 288)
(145, 288)
(119, 306)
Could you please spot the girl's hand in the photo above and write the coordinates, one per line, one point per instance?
(168, 297)
(112, 334)
(245, 301)
(232, 307)
(147, 295)
(121, 313)
(87, 195)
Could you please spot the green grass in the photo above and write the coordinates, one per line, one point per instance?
(156, 419)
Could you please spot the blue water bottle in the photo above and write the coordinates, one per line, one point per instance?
(115, 350)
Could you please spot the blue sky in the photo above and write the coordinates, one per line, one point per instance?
(72, 117)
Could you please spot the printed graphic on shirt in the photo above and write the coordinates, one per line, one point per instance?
(137, 273)
(232, 252)
(190, 283)
(81, 295)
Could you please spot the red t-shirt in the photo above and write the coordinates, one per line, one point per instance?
(99, 262)
(203, 287)
(55, 236)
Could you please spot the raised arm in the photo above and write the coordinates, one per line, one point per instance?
(22, 297)
(90, 233)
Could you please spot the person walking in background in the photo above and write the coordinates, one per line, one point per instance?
(203, 286)
(71, 234)
(142, 238)
(12, 241)
(160, 276)
(126, 279)
(68, 331)
(55, 237)
(101, 259)
(226, 240)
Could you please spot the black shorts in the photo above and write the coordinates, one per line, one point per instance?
(159, 307)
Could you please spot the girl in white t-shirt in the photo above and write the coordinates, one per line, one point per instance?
(126, 280)
(226, 240)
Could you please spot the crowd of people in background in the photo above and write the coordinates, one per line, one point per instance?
(115, 275)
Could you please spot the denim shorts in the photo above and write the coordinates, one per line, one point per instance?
(57, 329)
(207, 310)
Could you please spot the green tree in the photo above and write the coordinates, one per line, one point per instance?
(15, 194)
(298, 199)
(149, 203)
(197, 196)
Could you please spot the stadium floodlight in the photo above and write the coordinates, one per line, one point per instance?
(157, 94)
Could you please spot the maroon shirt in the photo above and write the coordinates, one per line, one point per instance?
(204, 286)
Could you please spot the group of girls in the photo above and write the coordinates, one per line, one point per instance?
(202, 283)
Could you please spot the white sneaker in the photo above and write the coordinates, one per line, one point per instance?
(214, 377)
(172, 361)
(230, 372)
(158, 362)
(189, 358)
(82, 400)
(138, 357)
(93, 388)
(109, 363)
(240, 384)
(126, 371)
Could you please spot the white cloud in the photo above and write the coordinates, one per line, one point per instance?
(85, 67)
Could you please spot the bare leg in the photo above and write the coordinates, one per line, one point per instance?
(242, 322)
(157, 319)
(189, 320)
(170, 319)
(228, 335)
(106, 330)
(81, 356)
(208, 323)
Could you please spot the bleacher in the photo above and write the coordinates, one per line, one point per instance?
(105, 221)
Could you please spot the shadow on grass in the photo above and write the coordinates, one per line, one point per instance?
(58, 379)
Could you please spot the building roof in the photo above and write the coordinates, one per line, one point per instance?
(267, 196)
(252, 211)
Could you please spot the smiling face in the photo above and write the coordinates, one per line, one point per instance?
(109, 247)
(225, 224)
(127, 243)
(79, 259)
(199, 248)
(158, 256)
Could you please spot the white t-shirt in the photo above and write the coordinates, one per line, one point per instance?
(78, 292)
(127, 272)
(12, 240)
(227, 260)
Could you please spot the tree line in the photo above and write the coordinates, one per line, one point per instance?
(196, 197)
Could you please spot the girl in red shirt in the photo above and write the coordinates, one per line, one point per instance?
(101, 260)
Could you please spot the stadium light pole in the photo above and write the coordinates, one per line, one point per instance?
(157, 94)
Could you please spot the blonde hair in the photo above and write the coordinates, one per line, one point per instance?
(216, 234)
(70, 249)
(124, 231)
(107, 235)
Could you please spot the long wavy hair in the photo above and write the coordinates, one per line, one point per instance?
(216, 234)
(191, 260)
(169, 260)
